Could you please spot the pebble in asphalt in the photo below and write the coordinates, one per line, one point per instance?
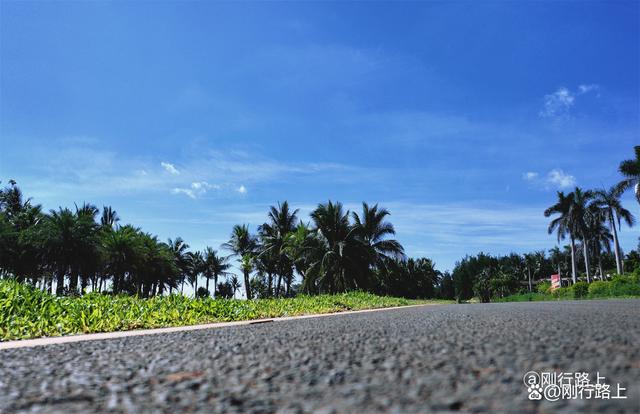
(444, 358)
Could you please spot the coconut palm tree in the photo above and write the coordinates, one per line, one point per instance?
(374, 232)
(601, 239)
(235, 284)
(609, 202)
(242, 244)
(580, 218)
(273, 235)
(215, 266)
(338, 259)
(195, 267)
(564, 224)
(181, 259)
(630, 169)
(60, 241)
(122, 250)
(109, 218)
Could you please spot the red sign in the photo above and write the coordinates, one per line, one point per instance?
(555, 282)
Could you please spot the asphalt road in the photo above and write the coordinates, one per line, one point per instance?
(452, 358)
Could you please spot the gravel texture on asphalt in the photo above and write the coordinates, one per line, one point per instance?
(451, 358)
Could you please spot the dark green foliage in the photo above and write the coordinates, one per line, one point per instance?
(467, 271)
(446, 289)
(225, 290)
(412, 278)
(580, 290)
(202, 293)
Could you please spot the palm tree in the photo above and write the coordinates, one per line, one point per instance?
(601, 239)
(242, 244)
(338, 259)
(181, 258)
(195, 267)
(122, 250)
(609, 201)
(109, 218)
(235, 284)
(59, 243)
(373, 231)
(215, 266)
(297, 246)
(563, 224)
(580, 216)
(273, 234)
(631, 170)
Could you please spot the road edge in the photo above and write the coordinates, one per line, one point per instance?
(54, 340)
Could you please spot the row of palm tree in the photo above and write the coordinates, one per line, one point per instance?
(337, 251)
(87, 249)
(594, 217)
(73, 251)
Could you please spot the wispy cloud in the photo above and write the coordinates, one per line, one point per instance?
(170, 168)
(586, 88)
(557, 105)
(197, 189)
(554, 179)
(242, 189)
(561, 179)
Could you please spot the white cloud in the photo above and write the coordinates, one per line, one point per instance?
(170, 168)
(242, 189)
(556, 178)
(560, 179)
(585, 88)
(197, 189)
(189, 193)
(558, 104)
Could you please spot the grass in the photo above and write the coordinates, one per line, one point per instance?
(26, 312)
(620, 287)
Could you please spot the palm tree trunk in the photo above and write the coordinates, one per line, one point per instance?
(247, 285)
(270, 278)
(600, 267)
(182, 287)
(60, 283)
(207, 284)
(215, 284)
(529, 272)
(616, 244)
(278, 285)
(573, 259)
(585, 249)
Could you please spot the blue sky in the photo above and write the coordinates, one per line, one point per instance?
(189, 117)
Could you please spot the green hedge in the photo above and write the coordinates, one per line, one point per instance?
(620, 286)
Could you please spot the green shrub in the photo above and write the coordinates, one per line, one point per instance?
(544, 287)
(563, 293)
(580, 290)
(624, 286)
(599, 288)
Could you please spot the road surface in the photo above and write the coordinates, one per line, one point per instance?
(451, 358)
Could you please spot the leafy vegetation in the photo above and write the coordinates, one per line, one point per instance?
(623, 286)
(26, 312)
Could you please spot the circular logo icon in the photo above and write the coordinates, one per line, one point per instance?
(531, 378)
